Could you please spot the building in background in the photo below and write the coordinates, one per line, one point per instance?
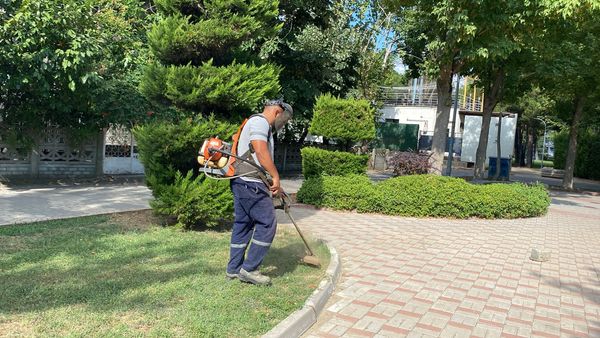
(408, 116)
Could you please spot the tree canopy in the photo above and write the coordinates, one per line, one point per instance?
(210, 56)
(59, 58)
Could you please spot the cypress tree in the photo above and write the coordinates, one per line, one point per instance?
(209, 55)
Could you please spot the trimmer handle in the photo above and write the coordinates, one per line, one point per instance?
(282, 201)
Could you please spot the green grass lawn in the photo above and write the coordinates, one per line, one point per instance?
(119, 276)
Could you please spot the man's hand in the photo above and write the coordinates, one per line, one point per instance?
(276, 186)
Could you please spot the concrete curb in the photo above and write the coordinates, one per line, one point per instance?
(300, 321)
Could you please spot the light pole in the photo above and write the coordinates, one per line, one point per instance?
(544, 142)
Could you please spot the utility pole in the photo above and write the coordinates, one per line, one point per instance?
(451, 150)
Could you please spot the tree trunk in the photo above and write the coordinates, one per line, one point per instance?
(386, 56)
(517, 149)
(483, 139)
(389, 45)
(523, 149)
(529, 146)
(498, 148)
(491, 97)
(572, 150)
(440, 132)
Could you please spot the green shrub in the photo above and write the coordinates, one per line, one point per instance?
(168, 152)
(232, 90)
(195, 201)
(425, 196)
(587, 162)
(421, 195)
(208, 55)
(167, 148)
(561, 144)
(348, 120)
(339, 192)
(311, 191)
(316, 162)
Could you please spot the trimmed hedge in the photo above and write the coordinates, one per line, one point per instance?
(350, 120)
(425, 196)
(316, 162)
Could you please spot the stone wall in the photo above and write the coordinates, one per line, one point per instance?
(13, 161)
(14, 169)
(67, 170)
(54, 157)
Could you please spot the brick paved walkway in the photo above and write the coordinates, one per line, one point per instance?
(451, 278)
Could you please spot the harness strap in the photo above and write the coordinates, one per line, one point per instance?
(245, 168)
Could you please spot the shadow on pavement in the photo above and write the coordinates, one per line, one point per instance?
(588, 293)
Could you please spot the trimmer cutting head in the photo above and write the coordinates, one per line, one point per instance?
(311, 260)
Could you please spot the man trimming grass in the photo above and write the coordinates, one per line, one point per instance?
(255, 222)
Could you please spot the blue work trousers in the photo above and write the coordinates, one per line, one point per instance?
(255, 225)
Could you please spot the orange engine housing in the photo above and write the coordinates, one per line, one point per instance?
(216, 143)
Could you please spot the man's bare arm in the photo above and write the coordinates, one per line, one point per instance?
(264, 158)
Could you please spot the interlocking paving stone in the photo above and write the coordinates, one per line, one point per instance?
(424, 277)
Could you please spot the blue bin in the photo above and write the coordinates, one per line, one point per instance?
(504, 167)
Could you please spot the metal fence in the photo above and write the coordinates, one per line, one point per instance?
(425, 96)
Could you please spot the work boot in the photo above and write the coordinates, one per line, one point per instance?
(231, 276)
(254, 277)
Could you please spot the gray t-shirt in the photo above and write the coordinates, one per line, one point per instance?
(257, 128)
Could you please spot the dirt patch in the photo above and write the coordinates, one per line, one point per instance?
(137, 220)
(15, 327)
(13, 244)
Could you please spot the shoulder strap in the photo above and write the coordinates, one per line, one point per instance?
(236, 138)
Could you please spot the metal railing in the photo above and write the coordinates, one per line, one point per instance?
(425, 96)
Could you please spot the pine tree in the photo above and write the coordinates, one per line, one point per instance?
(209, 55)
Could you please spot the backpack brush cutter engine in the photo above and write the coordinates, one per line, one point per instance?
(219, 160)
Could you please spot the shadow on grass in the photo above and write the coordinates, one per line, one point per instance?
(285, 259)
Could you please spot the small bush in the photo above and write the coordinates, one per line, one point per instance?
(168, 152)
(194, 201)
(425, 196)
(409, 163)
(311, 191)
(316, 162)
(341, 191)
(168, 148)
(349, 120)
